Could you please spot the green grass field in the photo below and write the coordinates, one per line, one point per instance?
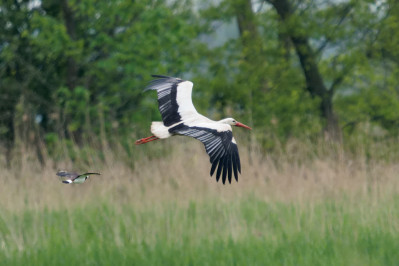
(325, 212)
(245, 231)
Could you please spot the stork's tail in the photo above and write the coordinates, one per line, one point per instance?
(159, 130)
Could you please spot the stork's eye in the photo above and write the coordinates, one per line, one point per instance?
(234, 121)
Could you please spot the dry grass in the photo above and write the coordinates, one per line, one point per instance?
(183, 175)
(301, 205)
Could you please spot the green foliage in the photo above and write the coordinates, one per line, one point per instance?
(82, 67)
(51, 140)
(110, 52)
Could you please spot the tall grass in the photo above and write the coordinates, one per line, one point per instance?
(301, 205)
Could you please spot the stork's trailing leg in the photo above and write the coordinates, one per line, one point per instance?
(145, 140)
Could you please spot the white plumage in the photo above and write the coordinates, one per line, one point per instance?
(179, 117)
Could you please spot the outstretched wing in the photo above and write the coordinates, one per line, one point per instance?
(220, 146)
(90, 174)
(81, 178)
(174, 99)
(65, 174)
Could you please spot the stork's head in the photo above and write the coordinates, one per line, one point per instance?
(233, 122)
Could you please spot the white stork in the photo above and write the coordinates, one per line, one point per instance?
(181, 118)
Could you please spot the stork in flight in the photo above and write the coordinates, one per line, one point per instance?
(180, 117)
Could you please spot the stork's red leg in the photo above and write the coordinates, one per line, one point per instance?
(145, 140)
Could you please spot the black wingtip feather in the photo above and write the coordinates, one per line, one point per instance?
(160, 76)
(219, 171)
(225, 167)
(214, 164)
(234, 161)
(160, 79)
(91, 174)
(238, 162)
(229, 169)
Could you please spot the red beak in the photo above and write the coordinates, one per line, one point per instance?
(238, 124)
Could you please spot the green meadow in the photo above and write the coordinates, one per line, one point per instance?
(244, 231)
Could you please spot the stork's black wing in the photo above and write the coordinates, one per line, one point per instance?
(219, 145)
(174, 98)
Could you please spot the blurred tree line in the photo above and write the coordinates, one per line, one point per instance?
(75, 69)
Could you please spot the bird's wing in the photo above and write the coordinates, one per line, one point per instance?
(66, 174)
(80, 179)
(90, 174)
(174, 99)
(84, 176)
(219, 144)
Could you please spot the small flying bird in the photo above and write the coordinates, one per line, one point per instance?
(72, 177)
(180, 117)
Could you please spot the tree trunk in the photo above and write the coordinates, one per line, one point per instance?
(247, 29)
(252, 49)
(7, 110)
(314, 80)
(245, 18)
(72, 67)
(9, 136)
